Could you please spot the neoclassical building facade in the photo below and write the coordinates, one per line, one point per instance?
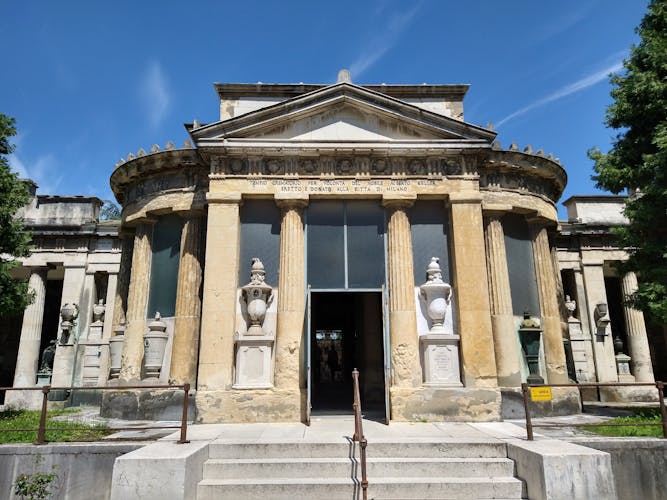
(314, 229)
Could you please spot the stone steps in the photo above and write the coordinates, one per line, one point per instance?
(232, 468)
(404, 468)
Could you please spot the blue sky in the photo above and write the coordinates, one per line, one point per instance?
(89, 81)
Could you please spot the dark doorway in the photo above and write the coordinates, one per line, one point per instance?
(346, 333)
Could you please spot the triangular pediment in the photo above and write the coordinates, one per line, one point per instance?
(342, 113)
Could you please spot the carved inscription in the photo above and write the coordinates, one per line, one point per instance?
(340, 186)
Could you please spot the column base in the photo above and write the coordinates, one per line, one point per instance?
(438, 404)
(24, 400)
(146, 404)
(565, 402)
(628, 394)
(250, 406)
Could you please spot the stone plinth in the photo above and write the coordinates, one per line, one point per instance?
(253, 362)
(441, 360)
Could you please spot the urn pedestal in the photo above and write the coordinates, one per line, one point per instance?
(155, 343)
(116, 351)
(439, 347)
(253, 365)
(441, 360)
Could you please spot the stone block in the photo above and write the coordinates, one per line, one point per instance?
(556, 470)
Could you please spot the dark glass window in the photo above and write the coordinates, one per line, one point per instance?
(166, 248)
(345, 244)
(430, 237)
(520, 264)
(260, 237)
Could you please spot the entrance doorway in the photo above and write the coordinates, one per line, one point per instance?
(346, 332)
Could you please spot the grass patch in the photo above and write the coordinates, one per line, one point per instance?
(648, 415)
(26, 419)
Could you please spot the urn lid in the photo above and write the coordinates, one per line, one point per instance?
(157, 325)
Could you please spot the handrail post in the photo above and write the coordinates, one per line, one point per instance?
(184, 418)
(41, 432)
(526, 407)
(355, 403)
(359, 433)
(663, 410)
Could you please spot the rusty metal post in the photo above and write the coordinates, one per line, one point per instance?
(41, 432)
(184, 418)
(663, 410)
(526, 407)
(355, 403)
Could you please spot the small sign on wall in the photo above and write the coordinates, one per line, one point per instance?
(540, 393)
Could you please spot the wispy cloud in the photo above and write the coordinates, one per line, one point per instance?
(567, 19)
(155, 94)
(44, 172)
(395, 23)
(572, 88)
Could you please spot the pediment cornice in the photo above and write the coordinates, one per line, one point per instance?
(255, 124)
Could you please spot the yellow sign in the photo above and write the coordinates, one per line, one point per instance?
(540, 393)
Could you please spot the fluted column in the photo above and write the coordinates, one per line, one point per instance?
(636, 334)
(554, 351)
(137, 301)
(291, 296)
(188, 304)
(123, 283)
(219, 295)
(471, 295)
(502, 316)
(406, 368)
(25, 374)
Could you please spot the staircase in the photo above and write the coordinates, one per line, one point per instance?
(413, 468)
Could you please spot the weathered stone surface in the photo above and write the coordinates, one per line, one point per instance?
(445, 404)
(260, 405)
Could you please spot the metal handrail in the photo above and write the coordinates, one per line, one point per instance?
(359, 433)
(661, 400)
(41, 430)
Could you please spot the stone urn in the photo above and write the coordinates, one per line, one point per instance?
(69, 313)
(98, 312)
(155, 342)
(437, 294)
(116, 350)
(257, 295)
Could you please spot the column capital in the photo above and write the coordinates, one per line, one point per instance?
(399, 201)
(464, 197)
(495, 210)
(228, 198)
(291, 201)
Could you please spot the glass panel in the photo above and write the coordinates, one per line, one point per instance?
(166, 248)
(326, 265)
(429, 228)
(520, 265)
(365, 244)
(260, 237)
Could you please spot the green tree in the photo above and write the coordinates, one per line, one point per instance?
(638, 159)
(14, 240)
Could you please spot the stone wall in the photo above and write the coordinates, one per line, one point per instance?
(83, 470)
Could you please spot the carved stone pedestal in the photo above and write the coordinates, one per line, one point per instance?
(441, 360)
(253, 362)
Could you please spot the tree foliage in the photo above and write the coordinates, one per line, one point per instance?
(109, 211)
(638, 158)
(14, 240)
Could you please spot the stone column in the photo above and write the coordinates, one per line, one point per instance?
(289, 374)
(137, 301)
(636, 334)
(552, 337)
(472, 301)
(405, 364)
(218, 319)
(602, 340)
(110, 303)
(502, 316)
(188, 304)
(25, 374)
(120, 304)
(88, 299)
